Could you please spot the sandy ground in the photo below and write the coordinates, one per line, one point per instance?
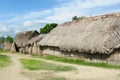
(16, 71)
(12, 72)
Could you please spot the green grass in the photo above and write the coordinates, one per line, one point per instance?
(1, 50)
(4, 60)
(60, 78)
(32, 64)
(80, 62)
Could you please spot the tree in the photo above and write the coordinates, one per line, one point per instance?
(9, 39)
(47, 28)
(74, 18)
(2, 39)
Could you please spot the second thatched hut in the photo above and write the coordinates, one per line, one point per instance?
(21, 39)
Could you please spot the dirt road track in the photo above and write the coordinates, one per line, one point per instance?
(13, 72)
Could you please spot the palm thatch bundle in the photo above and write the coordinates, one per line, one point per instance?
(98, 34)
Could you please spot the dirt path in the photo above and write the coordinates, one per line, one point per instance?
(82, 73)
(12, 72)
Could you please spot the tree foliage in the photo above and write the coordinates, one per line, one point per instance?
(47, 28)
(2, 39)
(6, 39)
(9, 39)
(74, 18)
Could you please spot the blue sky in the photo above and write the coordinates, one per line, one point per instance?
(24, 15)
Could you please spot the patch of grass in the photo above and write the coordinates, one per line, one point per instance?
(80, 62)
(4, 60)
(34, 55)
(32, 64)
(60, 78)
(1, 50)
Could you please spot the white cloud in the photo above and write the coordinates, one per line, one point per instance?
(64, 11)
(27, 23)
(34, 24)
(77, 7)
(31, 15)
(4, 29)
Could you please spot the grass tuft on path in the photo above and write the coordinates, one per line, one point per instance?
(4, 60)
(32, 64)
(80, 62)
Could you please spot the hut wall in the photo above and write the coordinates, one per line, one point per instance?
(33, 49)
(36, 49)
(113, 58)
(30, 50)
(14, 47)
(6, 46)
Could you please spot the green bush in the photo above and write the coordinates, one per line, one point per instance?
(9, 39)
(2, 39)
(6, 39)
(47, 28)
(74, 18)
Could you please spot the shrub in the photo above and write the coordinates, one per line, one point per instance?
(47, 28)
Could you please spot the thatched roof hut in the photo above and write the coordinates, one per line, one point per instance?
(98, 34)
(35, 39)
(20, 40)
(22, 37)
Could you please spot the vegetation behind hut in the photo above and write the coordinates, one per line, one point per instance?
(9, 39)
(47, 28)
(2, 39)
(74, 18)
(5, 42)
(6, 39)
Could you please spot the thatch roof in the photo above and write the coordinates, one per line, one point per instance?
(35, 39)
(98, 34)
(22, 37)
